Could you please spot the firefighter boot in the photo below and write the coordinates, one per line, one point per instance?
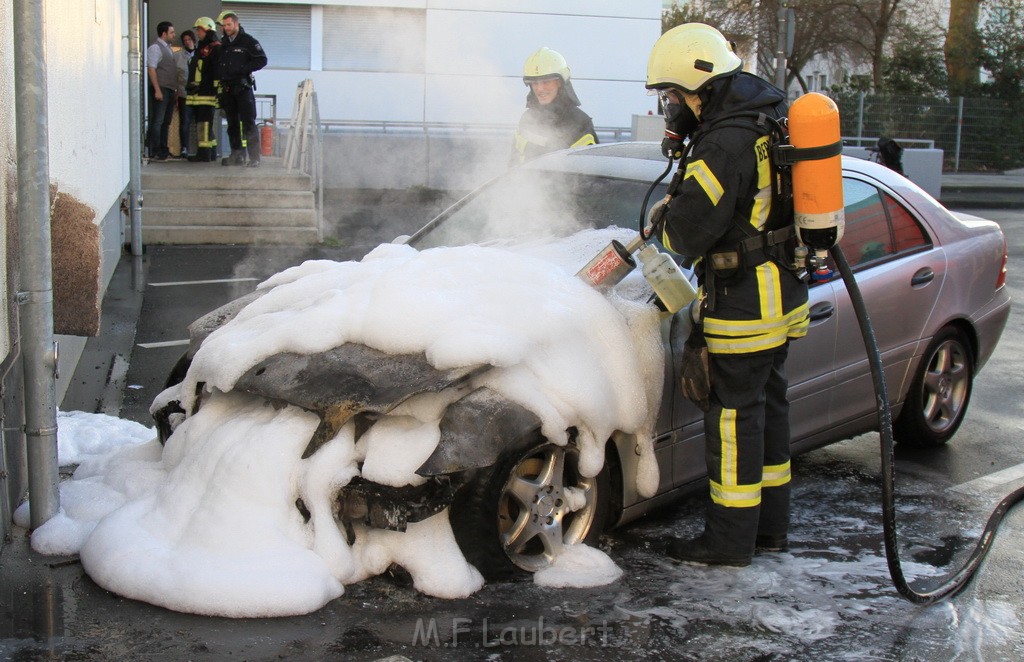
(696, 550)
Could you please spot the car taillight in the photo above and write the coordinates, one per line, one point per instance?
(1001, 278)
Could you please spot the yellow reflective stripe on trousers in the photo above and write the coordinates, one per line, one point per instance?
(736, 496)
(707, 180)
(727, 434)
(747, 344)
(203, 136)
(774, 475)
(197, 100)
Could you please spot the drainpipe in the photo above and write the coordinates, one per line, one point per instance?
(35, 298)
(135, 125)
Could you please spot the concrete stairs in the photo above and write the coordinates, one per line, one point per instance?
(206, 203)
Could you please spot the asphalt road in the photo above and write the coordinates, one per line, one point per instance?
(828, 598)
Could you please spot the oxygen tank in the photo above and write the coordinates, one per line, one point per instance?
(817, 182)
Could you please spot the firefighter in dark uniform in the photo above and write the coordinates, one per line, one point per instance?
(240, 56)
(202, 89)
(553, 119)
(752, 300)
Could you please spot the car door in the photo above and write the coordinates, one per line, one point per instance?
(900, 274)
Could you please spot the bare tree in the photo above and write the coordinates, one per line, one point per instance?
(963, 47)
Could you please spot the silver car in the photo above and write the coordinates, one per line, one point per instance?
(934, 286)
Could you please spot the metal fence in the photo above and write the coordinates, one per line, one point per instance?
(976, 135)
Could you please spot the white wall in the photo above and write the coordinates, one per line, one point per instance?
(475, 51)
(86, 53)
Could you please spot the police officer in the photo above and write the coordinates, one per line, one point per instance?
(553, 119)
(752, 303)
(240, 56)
(202, 89)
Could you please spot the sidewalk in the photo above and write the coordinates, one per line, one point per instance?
(984, 190)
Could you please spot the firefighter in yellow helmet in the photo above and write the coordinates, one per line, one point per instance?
(553, 119)
(721, 213)
(202, 89)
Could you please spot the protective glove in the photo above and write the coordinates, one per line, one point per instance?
(695, 376)
(656, 217)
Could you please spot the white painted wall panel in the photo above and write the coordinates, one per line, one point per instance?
(85, 58)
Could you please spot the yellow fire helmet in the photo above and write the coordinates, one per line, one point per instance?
(545, 63)
(206, 23)
(689, 56)
(224, 14)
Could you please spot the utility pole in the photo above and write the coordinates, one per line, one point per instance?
(786, 28)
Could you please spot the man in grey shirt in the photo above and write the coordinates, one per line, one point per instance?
(163, 80)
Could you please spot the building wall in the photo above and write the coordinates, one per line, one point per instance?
(87, 90)
(470, 67)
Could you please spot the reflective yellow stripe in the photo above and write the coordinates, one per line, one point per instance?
(203, 136)
(736, 496)
(665, 242)
(763, 198)
(588, 139)
(197, 100)
(707, 180)
(764, 168)
(769, 290)
(774, 475)
(762, 207)
(747, 345)
(521, 143)
(727, 433)
(723, 327)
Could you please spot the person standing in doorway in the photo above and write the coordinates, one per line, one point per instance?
(163, 81)
(240, 56)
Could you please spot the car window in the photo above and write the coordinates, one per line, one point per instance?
(531, 204)
(877, 226)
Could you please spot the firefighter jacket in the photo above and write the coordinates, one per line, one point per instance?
(239, 58)
(202, 72)
(725, 197)
(558, 125)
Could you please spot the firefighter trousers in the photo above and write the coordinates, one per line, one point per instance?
(746, 431)
(239, 104)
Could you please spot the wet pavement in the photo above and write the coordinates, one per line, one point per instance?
(829, 597)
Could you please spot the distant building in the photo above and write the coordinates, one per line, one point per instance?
(451, 61)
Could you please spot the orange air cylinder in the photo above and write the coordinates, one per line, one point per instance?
(817, 183)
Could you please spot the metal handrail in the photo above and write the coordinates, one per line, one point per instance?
(305, 148)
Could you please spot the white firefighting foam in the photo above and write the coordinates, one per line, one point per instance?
(211, 525)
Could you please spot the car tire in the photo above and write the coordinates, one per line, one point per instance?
(939, 393)
(516, 515)
(176, 376)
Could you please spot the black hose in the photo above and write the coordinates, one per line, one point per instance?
(958, 580)
(647, 198)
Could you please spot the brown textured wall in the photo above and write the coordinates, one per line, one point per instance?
(76, 266)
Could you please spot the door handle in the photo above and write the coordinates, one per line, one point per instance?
(922, 276)
(820, 311)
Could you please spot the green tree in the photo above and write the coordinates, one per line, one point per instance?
(916, 66)
(1002, 52)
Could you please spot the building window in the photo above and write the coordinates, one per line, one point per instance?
(283, 31)
(374, 39)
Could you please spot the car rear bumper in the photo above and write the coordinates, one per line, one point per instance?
(989, 323)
